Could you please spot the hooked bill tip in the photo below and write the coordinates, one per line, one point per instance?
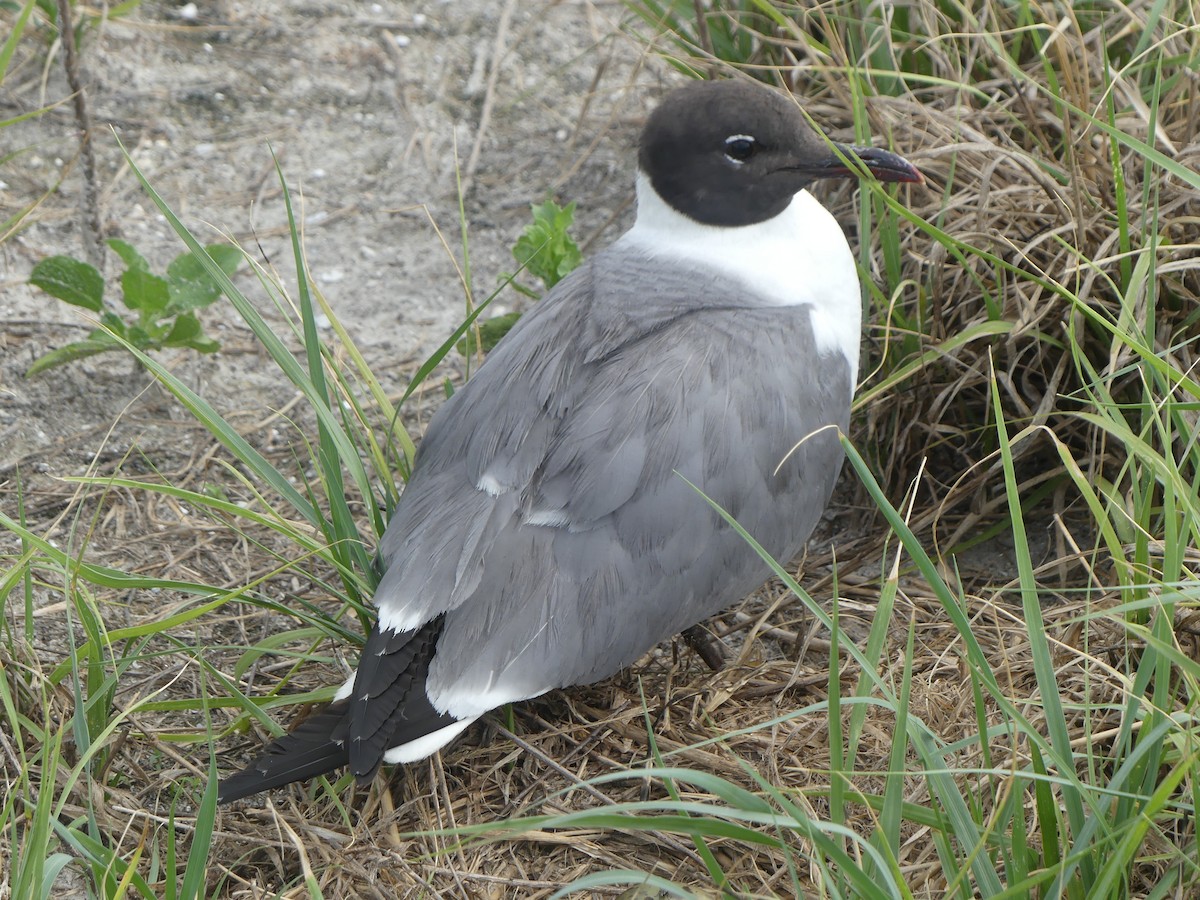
(883, 164)
(888, 166)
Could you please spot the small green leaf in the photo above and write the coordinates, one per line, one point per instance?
(227, 256)
(186, 332)
(70, 280)
(129, 256)
(186, 327)
(113, 323)
(185, 295)
(545, 248)
(103, 337)
(190, 285)
(186, 267)
(490, 333)
(69, 353)
(144, 291)
(140, 338)
(203, 344)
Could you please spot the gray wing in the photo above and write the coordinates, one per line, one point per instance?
(547, 517)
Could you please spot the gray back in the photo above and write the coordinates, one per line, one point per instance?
(590, 548)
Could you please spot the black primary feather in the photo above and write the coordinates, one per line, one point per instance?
(392, 707)
(357, 730)
(317, 746)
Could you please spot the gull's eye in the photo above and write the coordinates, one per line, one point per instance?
(740, 147)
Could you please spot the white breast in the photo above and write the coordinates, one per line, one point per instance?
(800, 257)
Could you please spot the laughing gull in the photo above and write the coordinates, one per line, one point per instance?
(547, 536)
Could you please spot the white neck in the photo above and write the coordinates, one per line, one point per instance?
(800, 257)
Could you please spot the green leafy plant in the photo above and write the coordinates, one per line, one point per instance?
(545, 250)
(165, 304)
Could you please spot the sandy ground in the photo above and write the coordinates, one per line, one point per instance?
(371, 109)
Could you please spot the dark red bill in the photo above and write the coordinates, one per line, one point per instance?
(884, 165)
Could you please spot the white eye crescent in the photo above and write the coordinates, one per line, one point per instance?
(739, 148)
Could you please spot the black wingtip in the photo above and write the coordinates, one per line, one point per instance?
(316, 747)
(391, 709)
